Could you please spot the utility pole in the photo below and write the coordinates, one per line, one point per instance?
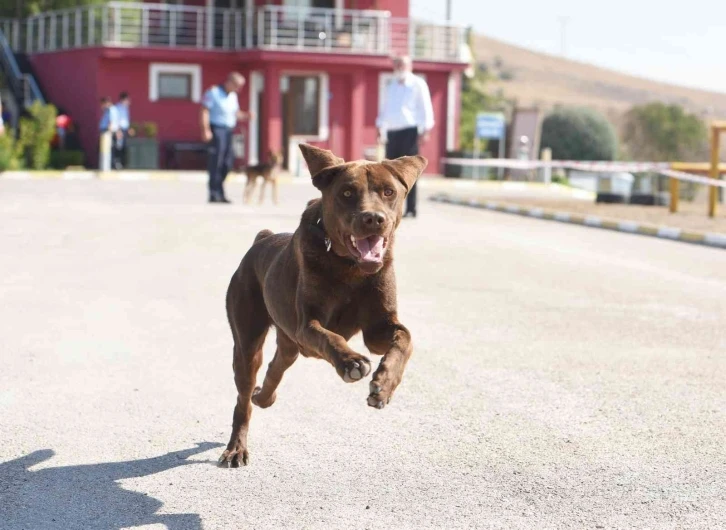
(563, 35)
(448, 10)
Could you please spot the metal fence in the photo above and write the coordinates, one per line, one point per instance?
(134, 24)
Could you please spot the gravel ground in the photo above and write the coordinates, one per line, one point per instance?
(562, 377)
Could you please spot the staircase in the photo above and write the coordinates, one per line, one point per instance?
(18, 83)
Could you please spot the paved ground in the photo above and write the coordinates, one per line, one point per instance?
(563, 377)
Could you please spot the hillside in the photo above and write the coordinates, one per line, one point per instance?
(538, 79)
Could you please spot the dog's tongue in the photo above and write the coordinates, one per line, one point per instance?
(370, 248)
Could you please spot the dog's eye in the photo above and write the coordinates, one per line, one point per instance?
(347, 194)
(388, 192)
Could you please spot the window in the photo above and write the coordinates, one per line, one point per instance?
(175, 86)
(305, 105)
(175, 81)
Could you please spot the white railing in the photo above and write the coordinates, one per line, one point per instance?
(425, 41)
(134, 24)
(323, 30)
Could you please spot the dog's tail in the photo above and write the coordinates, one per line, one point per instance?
(262, 235)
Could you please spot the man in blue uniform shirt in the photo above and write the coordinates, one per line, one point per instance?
(219, 115)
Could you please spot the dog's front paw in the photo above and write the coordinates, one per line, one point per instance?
(234, 457)
(381, 389)
(355, 369)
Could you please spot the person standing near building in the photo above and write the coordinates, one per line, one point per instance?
(108, 127)
(406, 117)
(124, 130)
(219, 115)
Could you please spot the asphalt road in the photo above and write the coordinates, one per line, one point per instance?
(563, 377)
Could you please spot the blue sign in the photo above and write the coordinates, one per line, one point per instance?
(490, 125)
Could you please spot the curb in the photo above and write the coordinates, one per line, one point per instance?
(710, 239)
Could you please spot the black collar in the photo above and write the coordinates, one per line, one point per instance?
(318, 229)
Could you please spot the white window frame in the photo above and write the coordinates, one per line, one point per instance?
(451, 97)
(192, 70)
(324, 103)
(257, 86)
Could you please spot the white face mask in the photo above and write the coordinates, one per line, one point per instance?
(400, 75)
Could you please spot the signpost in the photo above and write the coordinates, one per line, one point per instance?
(489, 126)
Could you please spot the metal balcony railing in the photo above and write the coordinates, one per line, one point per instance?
(23, 86)
(136, 24)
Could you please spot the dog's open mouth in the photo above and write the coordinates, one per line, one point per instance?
(367, 249)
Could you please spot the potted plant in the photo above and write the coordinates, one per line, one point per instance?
(143, 146)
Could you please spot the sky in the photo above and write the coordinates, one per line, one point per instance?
(683, 44)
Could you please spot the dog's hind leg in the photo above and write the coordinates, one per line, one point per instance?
(274, 190)
(249, 188)
(285, 355)
(250, 322)
(262, 190)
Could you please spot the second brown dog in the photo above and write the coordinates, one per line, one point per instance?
(268, 171)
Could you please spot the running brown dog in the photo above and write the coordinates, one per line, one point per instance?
(268, 172)
(323, 284)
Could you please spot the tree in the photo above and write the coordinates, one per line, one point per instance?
(25, 8)
(579, 134)
(659, 132)
(475, 99)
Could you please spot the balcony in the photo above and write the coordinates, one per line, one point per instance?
(294, 29)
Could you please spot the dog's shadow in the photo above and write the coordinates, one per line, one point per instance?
(87, 496)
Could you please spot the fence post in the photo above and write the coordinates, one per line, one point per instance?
(16, 34)
(29, 35)
(104, 151)
(412, 39)
(714, 173)
(674, 188)
(249, 19)
(144, 26)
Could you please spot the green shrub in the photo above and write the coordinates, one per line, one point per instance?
(661, 132)
(36, 132)
(11, 152)
(63, 159)
(579, 134)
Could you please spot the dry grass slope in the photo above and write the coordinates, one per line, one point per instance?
(544, 80)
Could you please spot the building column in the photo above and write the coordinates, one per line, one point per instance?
(357, 115)
(271, 118)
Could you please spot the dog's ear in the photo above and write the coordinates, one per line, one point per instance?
(319, 159)
(406, 169)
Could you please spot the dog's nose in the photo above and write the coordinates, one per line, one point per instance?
(373, 218)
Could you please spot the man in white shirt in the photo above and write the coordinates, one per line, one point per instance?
(406, 117)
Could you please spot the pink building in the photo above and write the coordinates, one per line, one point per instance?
(315, 68)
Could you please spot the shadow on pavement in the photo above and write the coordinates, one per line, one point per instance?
(87, 496)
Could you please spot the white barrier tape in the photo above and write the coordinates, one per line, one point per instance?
(680, 175)
(569, 164)
(662, 168)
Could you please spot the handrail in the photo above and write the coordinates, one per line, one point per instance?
(25, 88)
